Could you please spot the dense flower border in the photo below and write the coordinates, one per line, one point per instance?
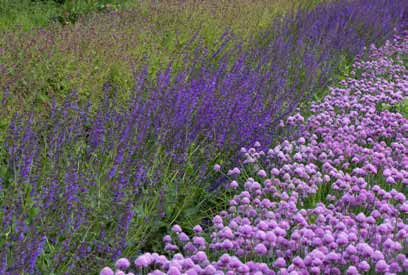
(331, 201)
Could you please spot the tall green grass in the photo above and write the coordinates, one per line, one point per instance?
(38, 64)
(27, 14)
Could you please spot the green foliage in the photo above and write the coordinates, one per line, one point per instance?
(401, 107)
(51, 62)
(28, 14)
(25, 14)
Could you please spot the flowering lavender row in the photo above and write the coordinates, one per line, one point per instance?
(332, 201)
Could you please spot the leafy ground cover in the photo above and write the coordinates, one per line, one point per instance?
(103, 171)
(50, 62)
(331, 201)
(28, 14)
(46, 63)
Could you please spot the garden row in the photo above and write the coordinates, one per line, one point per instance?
(331, 201)
(84, 182)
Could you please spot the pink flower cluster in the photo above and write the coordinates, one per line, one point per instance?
(331, 201)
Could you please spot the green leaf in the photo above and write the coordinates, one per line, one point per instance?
(44, 98)
(32, 212)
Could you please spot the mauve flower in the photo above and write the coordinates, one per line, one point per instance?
(200, 241)
(227, 244)
(217, 168)
(378, 255)
(315, 270)
(387, 173)
(261, 249)
(173, 271)
(210, 269)
(217, 219)
(333, 257)
(275, 172)
(388, 244)
(106, 271)
(167, 239)
(381, 266)
(390, 180)
(142, 261)
(176, 228)
(352, 270)
(262, 173)
(234, 171)
(363, 266)
(199, 257)
(183, 237)
(342, 239)
(197, 229)
(170, 247)
(122, 263)
(280, 262)
(365, 249)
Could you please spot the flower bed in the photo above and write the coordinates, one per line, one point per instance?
(331, 201)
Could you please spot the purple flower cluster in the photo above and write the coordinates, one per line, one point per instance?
(330, 201)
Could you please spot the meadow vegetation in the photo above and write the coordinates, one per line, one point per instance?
(113, 114)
